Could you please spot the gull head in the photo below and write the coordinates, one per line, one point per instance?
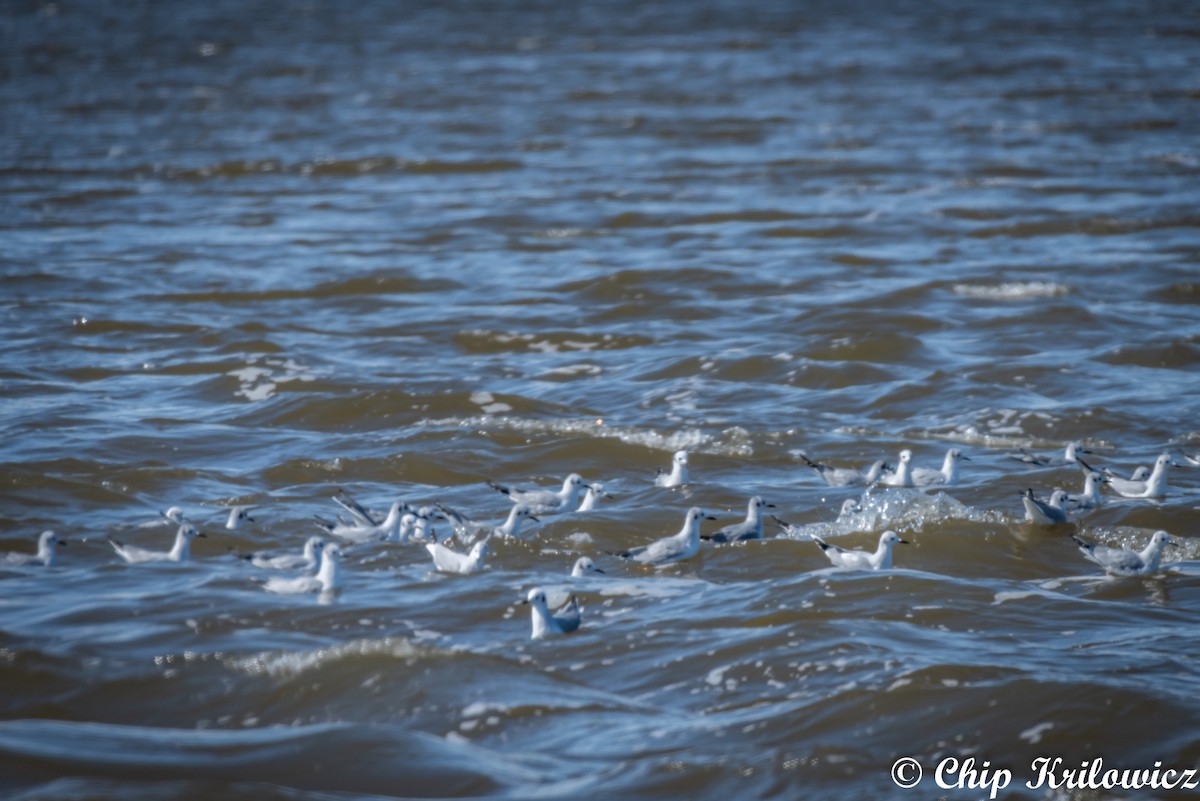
(48, 539)
(583, 566)
(890, 538)
(536, 598)
(680, 458)
(479, 550)
(957, 454)
(1162, 539)
(174, 515)
(905, 456)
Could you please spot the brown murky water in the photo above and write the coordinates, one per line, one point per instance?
(257, 252)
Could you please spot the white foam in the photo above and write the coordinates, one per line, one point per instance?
(292, 663)
(1012, 290)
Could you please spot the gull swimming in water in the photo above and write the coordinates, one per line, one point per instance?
(584, 566)
(238, 514)
(448, 561)
(547, 502)
(1155, 486)
(846, 476)
(358, 531)
(749, 529)
(1120, 562)
(862, 560)
(1039, 460)
(469, 530)
(327, 579)
(181, 552)
(47, 552)
(902, 477)
(946, 476)
(1045, 513)
(309, 559)
(1090, 498)
(595, 492)
(564, 621)
(668, 550)
(678, 474)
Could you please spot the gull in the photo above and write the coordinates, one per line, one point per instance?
(862, 560)
(426, 515)
(1045, 513)
(1090, 498)
(326, 580)
(947, 476)
(1140, 474)
(236, 515)
(678, 474)
(1120, 562)
(47, 551)
(749, 529)
(564, 621)
(683, 545)
(1038, 460)
(546, 502)
(448, 561)
(309, 559)
(902, 477)
(850, 506)
(1153, 487)
(846, 476)
(358, 531)
(180, 553)
(595, 491)
(467, 529)
(584, 566)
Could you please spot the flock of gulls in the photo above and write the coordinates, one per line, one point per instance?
(318, 571)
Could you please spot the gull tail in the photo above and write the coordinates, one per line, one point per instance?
(323, 524)
(499, 488)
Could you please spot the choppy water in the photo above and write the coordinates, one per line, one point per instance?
(256, 252)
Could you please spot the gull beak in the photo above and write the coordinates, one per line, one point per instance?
(770, 505)
(709, 517)
(201, 534)
(60, 542)
(965, 458)
(534, 519)
(523, 601)
(598, 570)
(902, 542)
(251, 519)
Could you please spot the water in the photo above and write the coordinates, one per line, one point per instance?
(257, 252)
